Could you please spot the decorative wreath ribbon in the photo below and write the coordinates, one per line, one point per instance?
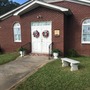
(36, 34)
(45, 33)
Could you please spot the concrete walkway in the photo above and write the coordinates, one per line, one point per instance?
(13, 72)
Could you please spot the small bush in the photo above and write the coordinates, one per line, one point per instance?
(22, 49)
(72, 53)
(57, 51)
(1, 51)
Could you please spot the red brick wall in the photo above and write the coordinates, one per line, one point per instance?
(25, 20)
(74, 27)
(6, 34)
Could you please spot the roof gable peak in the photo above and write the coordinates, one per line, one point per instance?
(37, 3)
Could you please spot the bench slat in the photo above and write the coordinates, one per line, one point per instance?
(70, 60)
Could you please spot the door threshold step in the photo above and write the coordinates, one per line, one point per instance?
(36, 54)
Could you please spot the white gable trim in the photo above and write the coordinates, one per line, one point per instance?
(39, 3)
(81, 2)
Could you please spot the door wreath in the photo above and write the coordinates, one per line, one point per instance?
(45, 33)
(36, 34)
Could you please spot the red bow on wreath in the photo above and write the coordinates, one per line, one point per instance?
(45, 33)
(36, 34)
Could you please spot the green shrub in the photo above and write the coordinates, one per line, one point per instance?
(72, 53)
(1, 51)
(22, 49)
(57, 51)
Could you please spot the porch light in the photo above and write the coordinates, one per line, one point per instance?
(57, 32)
(39, 16)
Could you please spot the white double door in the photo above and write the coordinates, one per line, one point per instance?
(41, 44)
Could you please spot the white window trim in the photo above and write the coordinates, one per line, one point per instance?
(84, 42)
(14, 33)
(17, 40)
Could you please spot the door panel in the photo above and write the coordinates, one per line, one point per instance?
(41, 44)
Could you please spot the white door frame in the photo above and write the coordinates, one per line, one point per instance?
(41, 44)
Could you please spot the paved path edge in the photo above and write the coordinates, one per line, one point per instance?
(13, 87)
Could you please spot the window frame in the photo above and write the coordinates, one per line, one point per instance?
(14, 33)
(83, 24)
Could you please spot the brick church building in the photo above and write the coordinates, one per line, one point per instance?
(65, 23)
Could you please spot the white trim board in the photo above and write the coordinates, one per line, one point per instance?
(35, 4)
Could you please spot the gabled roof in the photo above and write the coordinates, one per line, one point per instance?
(31, 5)
(35, 4)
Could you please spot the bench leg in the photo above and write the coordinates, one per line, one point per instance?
(74, 67)
(64, 63)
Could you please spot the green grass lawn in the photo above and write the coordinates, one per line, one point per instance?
(4, 58)
(54, 77)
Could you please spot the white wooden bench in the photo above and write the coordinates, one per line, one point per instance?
(73, 63)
